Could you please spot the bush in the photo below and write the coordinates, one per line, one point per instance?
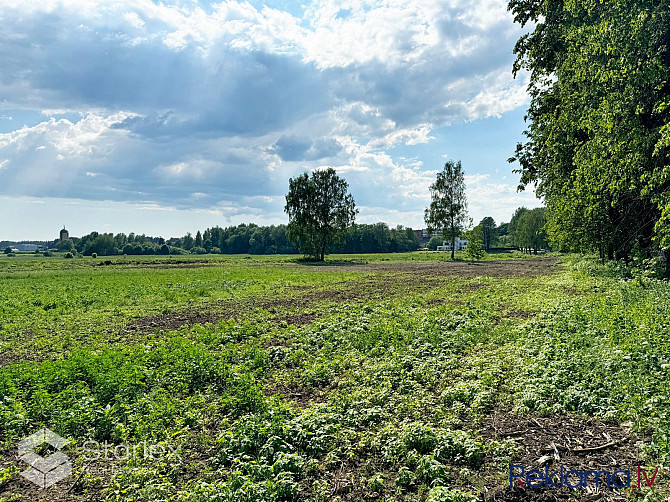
(8, 250)
(443, 494)
(68, 255)
(94, 255)
(474, 250)
(47, 254)
(198, 250)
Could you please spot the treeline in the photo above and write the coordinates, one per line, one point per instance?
(377, 238)
(240, 239)
(525, 231)
(598, 140)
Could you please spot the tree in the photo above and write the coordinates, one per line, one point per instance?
(474, 248)
(598, 139)
(319, 209)
(8, 250)
(514, 223)
(503, 239)
(434, 242)
(66, 245)
(447, 212)
(530, 231)
(198, 239)
(102, 245)
(187, 241)
(489, 232)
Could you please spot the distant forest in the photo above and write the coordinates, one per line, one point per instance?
(242, 239)
(525, 231)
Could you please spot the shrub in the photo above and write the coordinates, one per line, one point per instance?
(68, 255)
(443, 494)
(474, 250)
(94, 255)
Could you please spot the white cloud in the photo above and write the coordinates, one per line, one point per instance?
(134, 19)
(213, 108)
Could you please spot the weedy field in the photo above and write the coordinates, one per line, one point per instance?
(370, 377)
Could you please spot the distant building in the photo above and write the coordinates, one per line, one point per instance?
(26, 247)
(424, 235)
(64, 234)
(460, 245)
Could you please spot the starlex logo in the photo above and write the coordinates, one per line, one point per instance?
(577, 478)
(44, 471)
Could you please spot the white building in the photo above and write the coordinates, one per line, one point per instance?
(460, 245)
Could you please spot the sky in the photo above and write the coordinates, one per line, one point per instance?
(173, 116)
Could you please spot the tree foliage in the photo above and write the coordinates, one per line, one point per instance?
(447, 212)
(530, 232)
(489, 232)
(598, 138)
(319, 209)
(474, 249)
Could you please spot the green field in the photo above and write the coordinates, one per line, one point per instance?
(369, 377)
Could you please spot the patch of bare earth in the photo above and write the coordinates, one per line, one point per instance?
(7, 358)
(386, 280)
(494, 268)
(155, 264)
(577, 444)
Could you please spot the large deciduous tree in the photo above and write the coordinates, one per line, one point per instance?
(598, 138)
(319, 208)
(447, 212)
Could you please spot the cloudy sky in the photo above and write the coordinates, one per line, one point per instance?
(165, 117)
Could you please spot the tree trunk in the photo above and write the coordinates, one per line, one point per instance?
(453, 246)
(323, 248)
(666, 253)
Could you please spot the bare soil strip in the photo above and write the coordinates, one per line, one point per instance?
(390, 280)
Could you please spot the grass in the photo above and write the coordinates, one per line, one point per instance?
(319, 383)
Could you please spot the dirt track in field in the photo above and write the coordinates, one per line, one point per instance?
(495, 268)
(383, 280)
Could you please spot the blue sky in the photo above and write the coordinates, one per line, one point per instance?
(168, 117)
